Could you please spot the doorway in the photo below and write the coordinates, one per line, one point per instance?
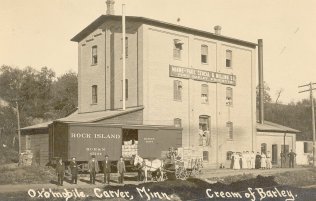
(274, 154)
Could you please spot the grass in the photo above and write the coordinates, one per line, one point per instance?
(8, 155)
(26, 175)
(304, 177)
(181, 190)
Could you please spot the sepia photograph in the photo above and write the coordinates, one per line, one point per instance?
(157, 100)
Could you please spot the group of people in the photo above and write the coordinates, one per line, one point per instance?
(250, 160)
(93, 168)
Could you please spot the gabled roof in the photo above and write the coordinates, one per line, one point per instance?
(91, 117)
(268, 126)
(103, 18)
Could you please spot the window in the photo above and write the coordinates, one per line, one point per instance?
(177, 48)
(308, 147)
(177, 90)
(229, 155)
(229, 96)
(204, 123)
(177, 123)
(204, 130)
(264, 148)
(229, 56)
(274, 154)
(94, 55)
(204, 54)
(205, 155)
(126, 47)
(204, 93)
(230, 132)
(94, 94)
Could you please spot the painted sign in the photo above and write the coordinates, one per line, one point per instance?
(85, 141)
(201, 75)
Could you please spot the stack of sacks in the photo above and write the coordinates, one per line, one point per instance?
(129, 149)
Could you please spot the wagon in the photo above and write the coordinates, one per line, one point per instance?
(176, 167)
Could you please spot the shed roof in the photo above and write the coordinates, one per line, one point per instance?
(38, 126)
(268, 126)
(91, 117)
(103, 18)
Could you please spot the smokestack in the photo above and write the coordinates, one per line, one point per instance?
(261, 86)
(217, 30)
(110, 7)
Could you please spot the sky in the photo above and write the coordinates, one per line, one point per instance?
(37, 33)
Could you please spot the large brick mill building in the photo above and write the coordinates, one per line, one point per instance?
(176, 77)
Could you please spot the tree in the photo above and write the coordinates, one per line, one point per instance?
(65, 94)
(30, 87)
(278, 94)
(266, 94)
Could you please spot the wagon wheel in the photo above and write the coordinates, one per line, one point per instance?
(181, 173)
(194, 172)
(164, 176)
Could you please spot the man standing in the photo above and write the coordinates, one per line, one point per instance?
(93, 167)
(139, 172)
(258, 161)
(291, 156)
(60, 171)
(106, 169)
(74, 170)
(121, 169)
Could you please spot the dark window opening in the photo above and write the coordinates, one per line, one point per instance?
(94, 55)
(229, 58)
(94, 94)
(205, 155)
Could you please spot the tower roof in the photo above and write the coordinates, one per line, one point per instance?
(104, 18)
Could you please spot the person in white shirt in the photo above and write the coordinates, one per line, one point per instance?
(236, 165)
(263, 161)
(268, 160)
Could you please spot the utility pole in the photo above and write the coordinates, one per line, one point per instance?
(19, 128)
(313, 116)
(123, 56)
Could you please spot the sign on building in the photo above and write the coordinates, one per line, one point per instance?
(201, 75)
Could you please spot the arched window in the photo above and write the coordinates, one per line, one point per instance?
(204, 123)
(94, 52)
(204, 54)
(177, 90)
(229, 57)
(264, 148)
(94, 94)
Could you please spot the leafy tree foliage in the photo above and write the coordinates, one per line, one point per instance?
(40, 95)
(294, 115)
(266, 94)
(65, 94)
